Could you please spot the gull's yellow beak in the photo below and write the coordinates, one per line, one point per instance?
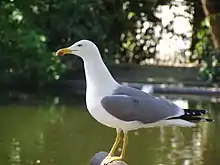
(63, 51)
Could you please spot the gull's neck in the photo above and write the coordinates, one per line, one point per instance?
(99, 81)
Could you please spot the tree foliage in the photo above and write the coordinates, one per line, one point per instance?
(31, 31)
(24, 56)
(206, 49)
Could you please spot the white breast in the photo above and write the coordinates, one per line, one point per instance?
(100, 83)
(101, 115)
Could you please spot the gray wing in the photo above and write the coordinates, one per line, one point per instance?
(129, 104)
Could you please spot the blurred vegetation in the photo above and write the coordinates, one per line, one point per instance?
(207, 54)
(24, 55)
(207, 46)
(31, 31)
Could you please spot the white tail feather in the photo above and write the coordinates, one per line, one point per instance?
(174, 122)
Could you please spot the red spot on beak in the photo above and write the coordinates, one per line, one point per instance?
(63, 51)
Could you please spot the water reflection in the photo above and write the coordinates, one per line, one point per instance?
(15, 157)
(62, 135)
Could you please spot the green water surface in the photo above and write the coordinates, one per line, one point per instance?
(68, 135)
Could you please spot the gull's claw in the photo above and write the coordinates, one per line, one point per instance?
(110, 159)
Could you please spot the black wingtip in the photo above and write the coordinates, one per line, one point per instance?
(207, 120)
(200, 119)
(195, 112)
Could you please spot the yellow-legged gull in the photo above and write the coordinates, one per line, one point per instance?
(122, 107)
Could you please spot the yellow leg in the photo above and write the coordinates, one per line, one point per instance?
(110, 156)
(125, 143)
(115, 145)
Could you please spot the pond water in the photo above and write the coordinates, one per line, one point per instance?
(68, 135)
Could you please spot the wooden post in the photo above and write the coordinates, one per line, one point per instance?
(100, 156)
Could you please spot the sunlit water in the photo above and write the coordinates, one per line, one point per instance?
(68, 135)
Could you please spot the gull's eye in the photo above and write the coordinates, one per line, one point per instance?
(79, 45)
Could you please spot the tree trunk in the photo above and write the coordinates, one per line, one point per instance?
(198, 17)
(212, 10)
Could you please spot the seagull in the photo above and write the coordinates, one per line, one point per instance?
(122, 107)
